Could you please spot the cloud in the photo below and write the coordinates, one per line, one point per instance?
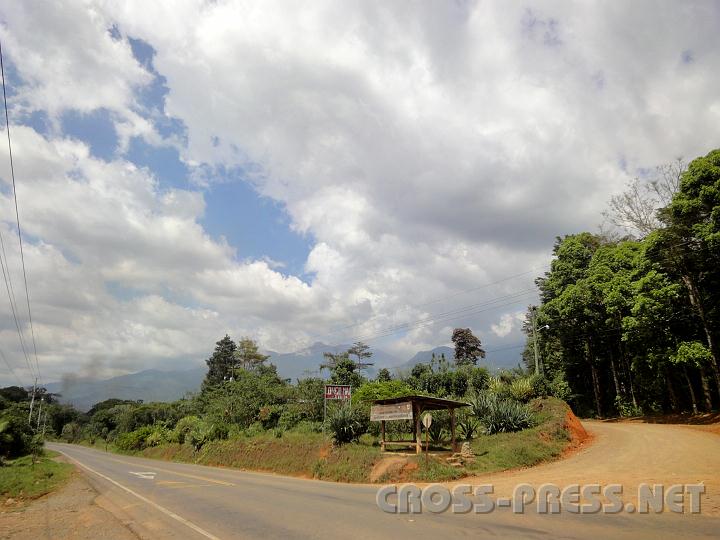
(426, 151)
(507, 323)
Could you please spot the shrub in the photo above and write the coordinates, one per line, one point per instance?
(522, 389)
(15, 436)
(467, 424)
(290, 417)
(184, 426)
(134, 440)
(498, 387)
(346, 424)
(507, 416)
(71, 432)
(205, 431)
(560, 388)
(269, 415)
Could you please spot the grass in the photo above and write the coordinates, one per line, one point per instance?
(23, 480)
(309, 455)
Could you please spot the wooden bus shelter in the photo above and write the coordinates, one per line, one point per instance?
(411, 408)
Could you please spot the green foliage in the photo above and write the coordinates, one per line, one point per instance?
(16, 436)
(71, 432)
(134, 440)
(522, 389)
(381, 390)
(468, 425)
(183, 427)
(221, 363)
(506, 416)
(346, 424)
(498, 414)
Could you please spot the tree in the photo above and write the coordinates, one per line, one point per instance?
(689, 245)
(221, 362)
(247, 355)
(467, 347)
(383, 375)
(362, 353)
(636, 209)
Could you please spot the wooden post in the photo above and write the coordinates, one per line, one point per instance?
(382, 432)
(418, 431)
(452, 429)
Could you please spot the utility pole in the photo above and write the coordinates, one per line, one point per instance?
(40, 411)
(533, 314)
(32, 402)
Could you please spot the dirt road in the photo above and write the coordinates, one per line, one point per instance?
(630, 453)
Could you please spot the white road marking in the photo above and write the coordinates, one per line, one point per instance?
(148, 475)
(155, 505)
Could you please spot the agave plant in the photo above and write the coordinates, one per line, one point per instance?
(522, 389)
(507, 416)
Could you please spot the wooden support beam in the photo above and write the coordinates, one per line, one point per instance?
(418, 430)
(452, 429)
(382, 433)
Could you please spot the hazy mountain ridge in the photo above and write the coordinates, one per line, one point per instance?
(156, 385)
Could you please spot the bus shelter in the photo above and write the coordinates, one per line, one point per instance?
(411, 408)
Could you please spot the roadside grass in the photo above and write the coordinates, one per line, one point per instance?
(310, 455)
(22, 480)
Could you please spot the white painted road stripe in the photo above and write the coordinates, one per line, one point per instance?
(147, 501)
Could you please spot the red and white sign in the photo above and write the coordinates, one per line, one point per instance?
(337, 391)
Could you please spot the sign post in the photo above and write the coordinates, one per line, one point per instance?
(427, 422)
(342, 392)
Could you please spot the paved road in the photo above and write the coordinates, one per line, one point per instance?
(158, 500)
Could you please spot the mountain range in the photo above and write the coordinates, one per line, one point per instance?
(154, 385)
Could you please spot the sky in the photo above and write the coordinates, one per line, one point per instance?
(321, 171)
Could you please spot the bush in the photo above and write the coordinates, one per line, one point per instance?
(346, 424)
(15, 436)
(467, 424)
(507, 416)
(290, 417)
(184, 426)
(560, 388)
(269, 416)
(71, 432)
(205, 432)
(522, 389)
(134, 440)
(497, 387)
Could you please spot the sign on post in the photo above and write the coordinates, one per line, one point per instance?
(427, 420)
(338, 391)
(393, 411)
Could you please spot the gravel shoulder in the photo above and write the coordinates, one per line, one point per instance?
(70, 512)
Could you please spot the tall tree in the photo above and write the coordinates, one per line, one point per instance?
(362, 353)
(247, 355)
(468, 348)
(221, 362)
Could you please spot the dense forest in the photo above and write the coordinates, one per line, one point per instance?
(630, 323)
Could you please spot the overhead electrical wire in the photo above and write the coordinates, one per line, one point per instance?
(19, 229)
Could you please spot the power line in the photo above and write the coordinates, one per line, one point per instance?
(17, 214)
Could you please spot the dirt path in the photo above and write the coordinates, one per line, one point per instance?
(630, 453)
(68, 513)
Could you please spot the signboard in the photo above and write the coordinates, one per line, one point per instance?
(338, 391)
(427, 420)
(394, 411)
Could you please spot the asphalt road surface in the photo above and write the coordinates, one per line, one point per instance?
(159, 499)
